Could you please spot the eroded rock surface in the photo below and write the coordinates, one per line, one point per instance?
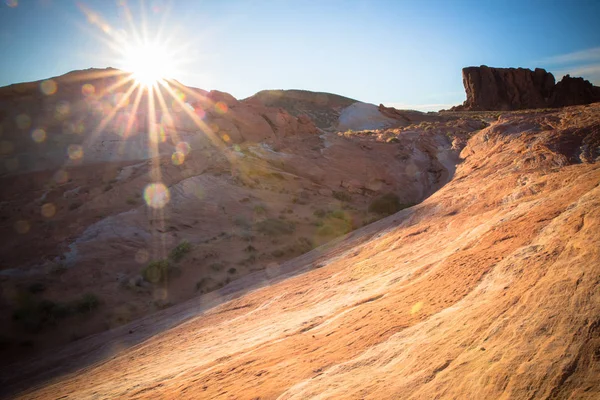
(487, 289)
(519, 88)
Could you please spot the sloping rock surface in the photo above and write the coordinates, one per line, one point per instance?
(487, 289)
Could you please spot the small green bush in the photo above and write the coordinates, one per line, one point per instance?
(275, 227)
(157, 271)
(320, 213)
(87, 303)
(217, 266)
(180, 251)
(260, 209)
(342, 196)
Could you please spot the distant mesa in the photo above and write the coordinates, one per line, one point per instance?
(504, 89)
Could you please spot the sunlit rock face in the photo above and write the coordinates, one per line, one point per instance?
(103, 179)
(486, 289)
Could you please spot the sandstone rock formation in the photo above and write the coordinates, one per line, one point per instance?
(323, 108)
(249, 186)
(519, 88)
(487, 289)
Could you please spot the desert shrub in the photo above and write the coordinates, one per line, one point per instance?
(320, 213)
(387, 204)
(33, 316)
(157, 271)
(87, 303)
(217, 266)
(232, 270)
(260, 209)
(278, 253)
(241, 221)
(180, 250)
(275, 227)
(334, 227)
(342, 196)
(339, 214)
(250, 249)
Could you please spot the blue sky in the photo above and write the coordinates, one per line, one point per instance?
(400, 52)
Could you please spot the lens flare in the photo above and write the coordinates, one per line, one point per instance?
(221, 107)
(416, 308)
(184, 148)
(75, 152)
(61, 176)
(142, 256)
(88, 89)
(178, 158)
(156, 195)
(62, 110)
(48, 87)
(38, 135)
(48, 210)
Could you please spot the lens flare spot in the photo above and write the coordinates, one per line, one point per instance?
(78, 127)
(12, 3)
(75, 152)
(199, 192)
(156, 195)
(61, 176)
(200, 112)
(178, 158)
(88, 89)
(221, 107)
(48, 87)
(22, 227)
(23, 121)
(183, 147)
(416, 308)
(142, 256)
(62, 110)
(226, 138)
(48, 210)
(180, 95)
(38, 135)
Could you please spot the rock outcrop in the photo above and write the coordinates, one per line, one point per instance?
(506, 89)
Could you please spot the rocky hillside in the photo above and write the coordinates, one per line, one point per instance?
(323, 108)
(487, 289)
(110, 213)
(519, 88)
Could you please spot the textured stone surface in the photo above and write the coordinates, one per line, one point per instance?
(519, 88)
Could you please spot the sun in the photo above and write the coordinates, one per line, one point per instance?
(148, 62)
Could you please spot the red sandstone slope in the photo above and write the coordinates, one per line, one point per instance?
(488, 289)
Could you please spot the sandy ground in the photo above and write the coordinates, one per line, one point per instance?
(487, 289)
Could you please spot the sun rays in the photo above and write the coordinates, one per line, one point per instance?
(148, 63)
(144, 100)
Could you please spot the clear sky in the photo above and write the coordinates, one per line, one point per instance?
(399, 52)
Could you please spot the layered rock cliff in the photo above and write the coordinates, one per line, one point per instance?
(506, 89)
